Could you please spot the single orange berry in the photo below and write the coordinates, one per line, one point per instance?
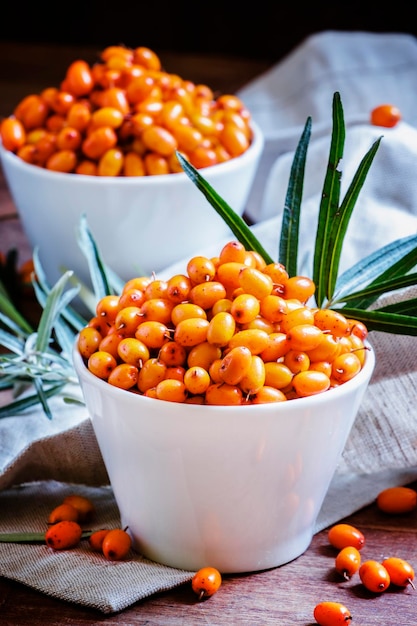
(83, 505)
(374, 576)
(397, 500)
(387, 115)
(206, 582)
(348, 561)
(342, 535)
(63, 512)
(63, 535)
(116, 544)
(400, 571)
(96, 539)
(332, 614)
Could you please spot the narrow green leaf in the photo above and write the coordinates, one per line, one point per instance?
(395, 258)
(329, 207)
(34, 537)
(406, 307)
(378, 288)
(392, 323)
(236, 224)
(10, 342)
(95, 263)
(340, 225)
(50, 313)
(290, 227)
(18, 406)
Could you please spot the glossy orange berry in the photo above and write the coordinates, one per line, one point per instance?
(12, 133)
(171, 390)
(116, 544)
(223, 394)
(300, 288)
(88, 341)
(63, 535)
(332, 614)
(401, 573)
(348, 561)
(63, 512)
(374, 576)
(206, 582)
(235, 365)
(124, 376)
(397, 500)
(310, 382)
(96, 539)
(101, 364)
(342, 535)
(84, 506)
(387, 115)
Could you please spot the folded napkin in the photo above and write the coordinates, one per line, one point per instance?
(42, 460)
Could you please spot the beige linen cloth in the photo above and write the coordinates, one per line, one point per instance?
(42, 460)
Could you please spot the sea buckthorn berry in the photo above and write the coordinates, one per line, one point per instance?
(78, 78)
(254, 379)
(203, 355)
(273, 308)
(196, 380)
(223, 394)
(277, 375)
(374, 576)
(245, 308)
(206, 294)
(172, 353)
(397, 500)
(304, 337)
(310, 382)
(96, 539)
(276, 347)
(235, 365)
(171, 390)
(300, 288)
(152, 334)
(186, 310)
(178, 288)
(63, 535)
(387, 115)
(110, 163)
(124, 376)
(133, 351)
(294, 317)
(348, 561)
(297, 361)
(88, 341)
(345, 366)
(84, 506)
(400, 571)
(253, 338)
(206, 582)
(101, 364)
(128, 319)
(332, 614)
(228, 274)
(152, 372)
(343, 535)
(332, 321)
(221, 329)
(63, 512)
(12, 133)
(233, 251)
(255, 282)
(200, 269)
(267, 394)
(116, 544)
(192, 331)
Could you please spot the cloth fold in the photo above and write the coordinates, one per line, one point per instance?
(42, 460)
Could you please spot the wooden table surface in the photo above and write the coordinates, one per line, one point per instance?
(281, 596)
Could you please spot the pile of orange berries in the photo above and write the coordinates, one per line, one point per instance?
(65, 530)
(126, 116)
(232, 330)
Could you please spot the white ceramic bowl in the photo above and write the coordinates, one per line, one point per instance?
(237, 488)
(141, 225)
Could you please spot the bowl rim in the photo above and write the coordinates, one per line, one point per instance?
(255, 149)
(351, 386)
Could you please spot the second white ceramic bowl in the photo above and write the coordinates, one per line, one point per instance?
(141, 224)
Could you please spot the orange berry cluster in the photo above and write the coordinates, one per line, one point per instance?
(376, 576)
(232, 330)
(65, 529)
(126, 116)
